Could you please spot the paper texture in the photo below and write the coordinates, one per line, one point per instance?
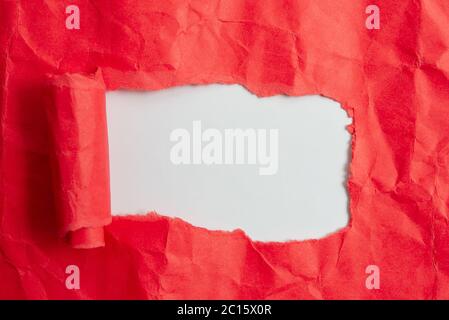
(76, 112)
(393, 81)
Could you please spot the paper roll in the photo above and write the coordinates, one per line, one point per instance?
(77, 120)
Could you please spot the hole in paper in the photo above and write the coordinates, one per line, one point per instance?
(304, 198)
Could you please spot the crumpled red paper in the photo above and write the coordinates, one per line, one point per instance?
(393, 81)
(76, 112)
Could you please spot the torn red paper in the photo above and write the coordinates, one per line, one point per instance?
(76, 113)
(393, 81)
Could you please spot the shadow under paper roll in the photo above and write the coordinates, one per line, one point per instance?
(80, 157)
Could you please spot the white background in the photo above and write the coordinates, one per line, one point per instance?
(306, 199)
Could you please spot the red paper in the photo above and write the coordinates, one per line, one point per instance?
(393, 81)
(76, 114)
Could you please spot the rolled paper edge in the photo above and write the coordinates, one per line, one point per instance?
(78, 234)
(87, 238)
